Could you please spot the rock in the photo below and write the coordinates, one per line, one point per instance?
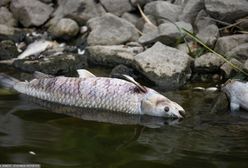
(162, 10)
(166, 66)
(240, 52)
(243, 24)
(117, 7)
(64, 29)
(120, 70)
(132, 18)
(111, 30)
(203, 20)
(47, 1)
(4, 2)
(79, 10)
(6, 17)
(246, 66)
(140, 2)
(228, 71)
(227, 43)
(8, 50)
(190, 10)
(30, 12)
(227, 10)
(10, 33)
(112, 55)
(209, 34)
(166, 33)
(55, 64)
(208, 62)
(189, 47)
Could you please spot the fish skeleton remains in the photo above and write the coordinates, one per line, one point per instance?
(237, 93)
(89, 91)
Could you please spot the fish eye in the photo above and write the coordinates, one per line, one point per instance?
(166, 109)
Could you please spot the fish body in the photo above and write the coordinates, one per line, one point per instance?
(237, 93)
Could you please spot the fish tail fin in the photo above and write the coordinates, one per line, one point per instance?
(7, 81)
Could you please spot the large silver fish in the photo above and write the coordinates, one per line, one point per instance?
(237, 93)
(89, 91)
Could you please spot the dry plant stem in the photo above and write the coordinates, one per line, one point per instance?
(235, 24)
(145, 17)
(219, 55)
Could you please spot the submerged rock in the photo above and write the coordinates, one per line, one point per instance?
(117, 7)
(64, 29)
(8, 50)
(6, 17)
(227, 10)
(112, 55)
(111, 30)
(166, 66)
(54, 64)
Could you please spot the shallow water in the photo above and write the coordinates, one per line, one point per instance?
(206, 138)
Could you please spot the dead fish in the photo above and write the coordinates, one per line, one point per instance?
(36, 48)
(89, 91)
(237, 93)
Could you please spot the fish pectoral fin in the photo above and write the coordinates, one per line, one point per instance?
(139, 86)
(83, 73)
(40, 75)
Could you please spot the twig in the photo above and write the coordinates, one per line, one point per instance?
(145, 17)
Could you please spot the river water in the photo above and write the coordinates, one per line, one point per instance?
(210, 136)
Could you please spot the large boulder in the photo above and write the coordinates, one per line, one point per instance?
(190, 10)
(111, 30)
(166, 66)
(227, 10)
(162, 10)
(112, 55)
(64, 29)
(6, 17)
(117, 7)
(30, 12)
(227, 43)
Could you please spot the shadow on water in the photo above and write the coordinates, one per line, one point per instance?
(210, 136)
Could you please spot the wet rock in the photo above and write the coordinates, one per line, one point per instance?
(190, 10)
(166, 33)
(162, 10)
(209, 34)
(120, 70)
(203, 20)
(240, 52)
(4, 2)
(8, 50)
(110, 30)
(64, 29)
(166, 66)
(208, 62)
(227, 10)
(132, 18)
(117, 7)
(79, 10)
(112, 55)
(227, 43)
(54, 64)
(6, 17)
(30, 12)
(228, 71)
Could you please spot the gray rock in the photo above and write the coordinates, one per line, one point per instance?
(227, 43)
(209, 34)
(10, 33)
(120, 70)
(112, 55)
(132, 18)
(166, 33)
(4, 2)
(30, 12)
(166, 66)
(79, 10)
(117, 7)
(140, 2)
(228, 70)
(240, 52)
(162, 10)
(8, 50)
(208, 62)
(54, 64)
(203, 20)
(190, 10)
(189, 47)
(111, 30)
(47, 1)
(6, 17)
(243, 24)
(246, 66)
(227, 10)
(64, 29)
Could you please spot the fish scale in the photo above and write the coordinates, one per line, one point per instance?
(101, 92)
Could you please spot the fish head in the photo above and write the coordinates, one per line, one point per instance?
(156, 104)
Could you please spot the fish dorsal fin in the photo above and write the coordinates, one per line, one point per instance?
(139, 86)
(83, 73)
(40, 75)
